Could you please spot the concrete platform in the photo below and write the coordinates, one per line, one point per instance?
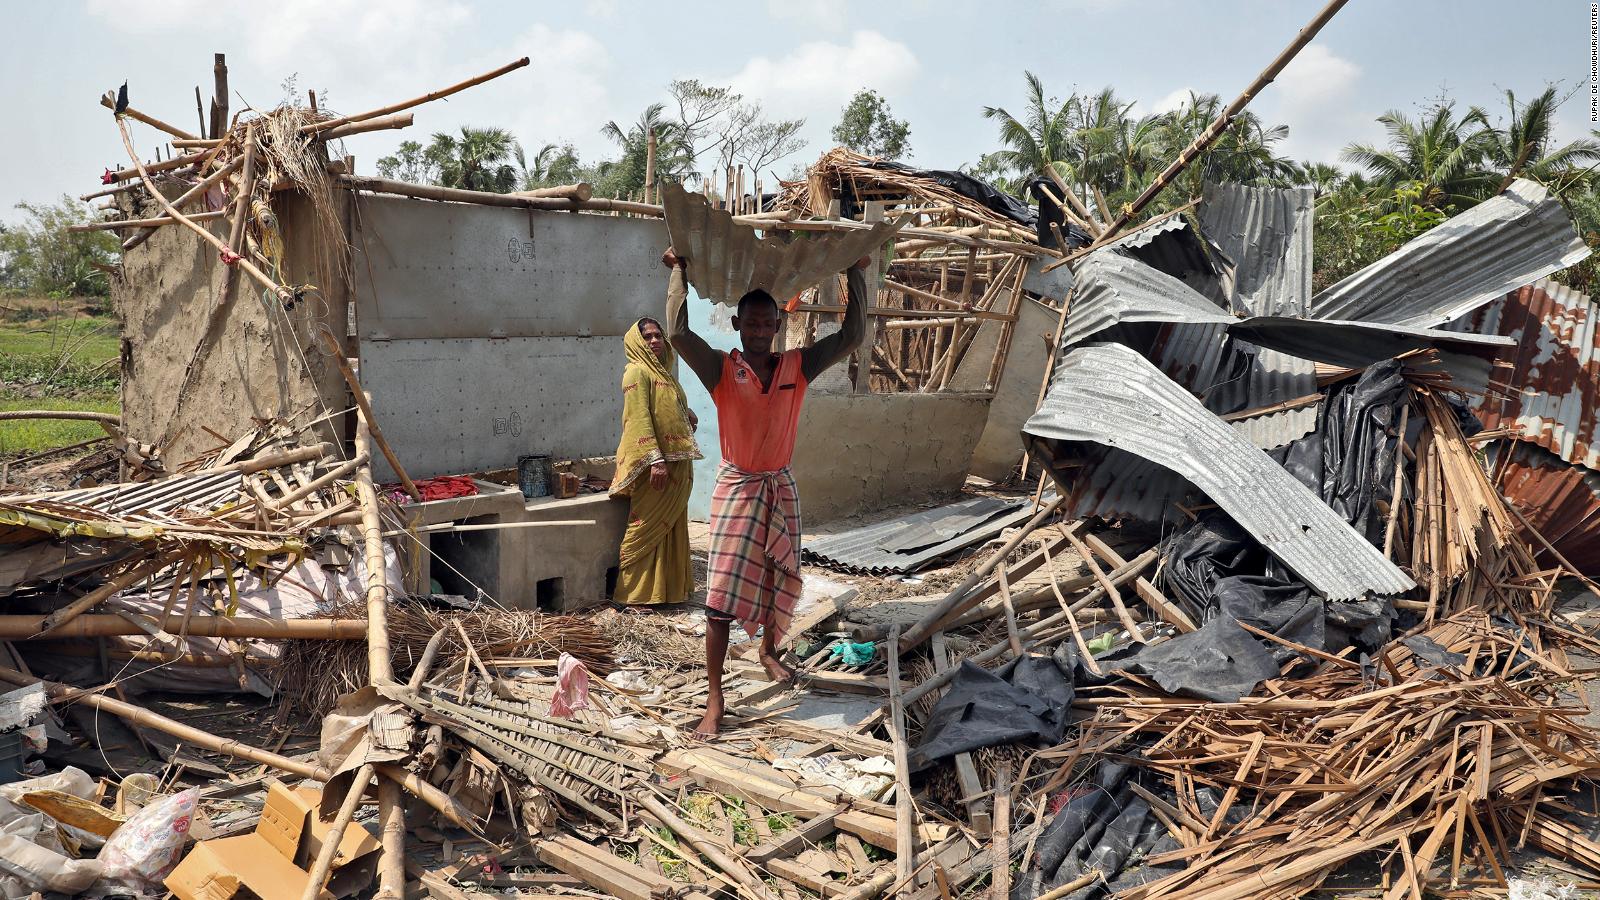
(556, 569)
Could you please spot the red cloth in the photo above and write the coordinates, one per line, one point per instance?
(443, 487)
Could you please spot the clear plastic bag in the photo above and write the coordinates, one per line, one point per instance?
(147, 848)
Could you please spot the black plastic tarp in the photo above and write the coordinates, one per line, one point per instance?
(983, 709)
(973, 189)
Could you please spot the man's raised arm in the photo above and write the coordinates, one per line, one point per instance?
(836, 347)
(705, 361)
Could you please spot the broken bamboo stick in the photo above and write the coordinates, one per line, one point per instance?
(905, 815)
(581, 191)
(956, 601)
(327, 124)
(95, 597)
(238, 229)
(150, 224)
(109, 101)
(379, 659)
(741, 874)
(381, 123)
(323, 864)
(28, 627)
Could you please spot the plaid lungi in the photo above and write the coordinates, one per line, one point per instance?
(754, 567)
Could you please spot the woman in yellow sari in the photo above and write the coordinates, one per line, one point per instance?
(654, 471)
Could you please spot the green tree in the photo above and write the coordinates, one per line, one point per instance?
(1446, 156)
(552, 165)
(1040, 138)
(1523, 148)
(478, 160)
(409, 163)
(39, 256)
(869, 127)
(625, 175)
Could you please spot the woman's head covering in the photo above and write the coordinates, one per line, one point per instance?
(655, 413)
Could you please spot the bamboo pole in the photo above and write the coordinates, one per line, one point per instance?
(144, 176)
(382, 123)
(150, 224)
(1217, 126)
(109, 101)
(238, 231)
(60, 693)
(487, 198)
(379, 660)
(739, 873)
(330, 842)
(905, 814)
(23, 627)
(392, 822)
(315, 127)
(95, 597)
(579, 192)
(176, 162)
(312, 487)
(199, 190)
(954, 602)
(649, 168)
(1000, 862)
(64, 414)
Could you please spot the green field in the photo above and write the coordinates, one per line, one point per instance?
(54, 355)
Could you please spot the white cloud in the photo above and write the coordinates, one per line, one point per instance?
(1317, 73)
(563, 94)
(817, 78)
(828, 15)
(600, 9)
(1315, 96)
(1163, 104)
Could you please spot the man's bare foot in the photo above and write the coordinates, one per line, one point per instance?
(777, 670)
(711, 723)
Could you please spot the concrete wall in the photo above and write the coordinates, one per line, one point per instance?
(999, 448)
(249, 358)
(861, 452)
(490, 333)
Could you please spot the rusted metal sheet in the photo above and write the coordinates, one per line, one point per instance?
(727, 260)
(1561, 502)
(1546, 386)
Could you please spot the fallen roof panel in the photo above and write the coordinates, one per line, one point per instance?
(1111, 288)
(1545, 385)
(1107, 394)
(1264, 238)
(727, 259)
(911, 542)
(1468, 260)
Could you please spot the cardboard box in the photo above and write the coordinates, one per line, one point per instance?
(271, 861)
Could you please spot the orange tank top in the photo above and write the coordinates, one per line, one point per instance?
(758, 425)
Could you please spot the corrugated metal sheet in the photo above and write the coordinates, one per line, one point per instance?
(1495, 247)
(727, 260)
(910, 542)
(1264, 238)
(1108, 395)
(165, 496)
(1265, 234)
(1548, 384)
(1111, 288)
(1560, 501)
(1357, 344)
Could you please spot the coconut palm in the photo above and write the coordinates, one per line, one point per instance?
(1446, 156)
(1322, 178)
(479, 160)
(552, 165)
(1041, 138)
(1523, 148)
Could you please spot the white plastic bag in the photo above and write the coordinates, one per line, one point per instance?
(147, 848)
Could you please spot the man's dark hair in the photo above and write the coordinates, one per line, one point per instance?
(756, 296)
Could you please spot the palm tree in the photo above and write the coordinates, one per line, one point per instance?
(479, 160)
(552, 165)
(627, 174)
(1445, 156)
(1322, 178)
(1523, 147)
(1041, 139)
(1243, 154)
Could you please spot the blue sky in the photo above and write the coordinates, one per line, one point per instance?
(937, 62)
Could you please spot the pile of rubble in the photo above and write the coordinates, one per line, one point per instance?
(1265, 619)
